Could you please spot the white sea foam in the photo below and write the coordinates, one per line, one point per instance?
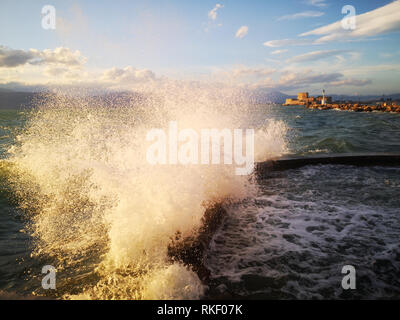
(293, 239)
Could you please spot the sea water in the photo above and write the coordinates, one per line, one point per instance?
(77, 193)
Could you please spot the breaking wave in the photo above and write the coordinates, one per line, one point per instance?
(99, 212)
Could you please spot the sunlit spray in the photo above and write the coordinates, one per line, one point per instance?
(98, 208)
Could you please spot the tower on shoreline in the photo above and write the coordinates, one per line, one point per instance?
(302, 96)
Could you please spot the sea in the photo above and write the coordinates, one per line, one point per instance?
(76, 194)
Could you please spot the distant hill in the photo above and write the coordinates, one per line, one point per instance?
(10, 99)
(15, 100)
(18, 100)
(265, 96)
(5, 90)
(366, 98)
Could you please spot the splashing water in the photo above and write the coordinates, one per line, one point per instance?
(99, 211)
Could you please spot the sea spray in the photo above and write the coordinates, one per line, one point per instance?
(100, 211)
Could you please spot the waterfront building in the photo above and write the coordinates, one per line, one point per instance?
(303, 98)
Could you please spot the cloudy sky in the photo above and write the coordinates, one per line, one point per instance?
(287, 45)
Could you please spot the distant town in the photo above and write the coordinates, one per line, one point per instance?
(325, 103)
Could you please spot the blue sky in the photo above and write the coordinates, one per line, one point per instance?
(131, 41)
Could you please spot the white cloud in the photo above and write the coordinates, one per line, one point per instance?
(130, 78)
(279, 51)
(213, 13)
(63, 66)
(288, 42)
(351, 82)
(369, 69)
(386, 55)
(61, 56)
(274, 61)
(55, 71)
(304, 14)
(317, 3)
(315, 55)
(127, 75)
(256, 72)
(65, 74)
(242, 32)
(290, 80)
(383, 20)
(10, 58)
(296, 79)
(242, 76)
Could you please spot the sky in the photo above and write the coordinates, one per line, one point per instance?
(287, 45)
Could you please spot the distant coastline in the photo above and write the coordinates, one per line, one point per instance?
(326, 103)
(19, 99)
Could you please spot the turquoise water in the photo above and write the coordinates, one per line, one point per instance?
(331, 131)
(14, 245)
(10, 122)
(291, 240)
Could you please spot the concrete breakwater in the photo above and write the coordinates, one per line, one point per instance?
(191, 250)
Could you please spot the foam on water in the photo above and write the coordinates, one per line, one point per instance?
(292, 240)
(99, 212)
